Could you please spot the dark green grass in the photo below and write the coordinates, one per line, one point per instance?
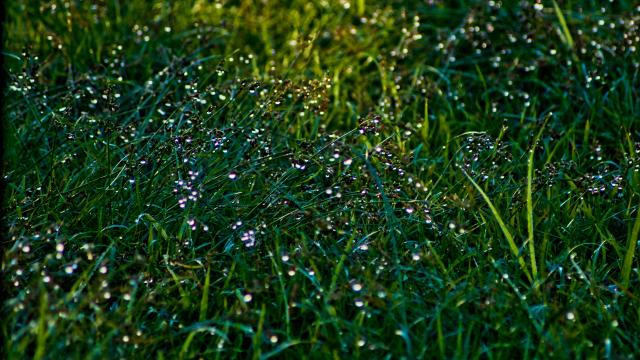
(316, 180)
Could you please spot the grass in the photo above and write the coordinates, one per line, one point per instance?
(530, 226)
(505, 231)
(329, 179)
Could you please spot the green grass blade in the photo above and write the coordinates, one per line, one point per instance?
(361, 7)
(631, 248)
(257, 337)
(204, 303)
(530, 239)
(338, 269)
(41, 340)
(441, 347)
(285, 345)
(563, 23)
(185, 347)
(503, 227)
(424, 131)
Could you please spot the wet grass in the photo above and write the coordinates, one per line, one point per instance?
(321, 180)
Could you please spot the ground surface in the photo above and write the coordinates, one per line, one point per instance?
(298, 179)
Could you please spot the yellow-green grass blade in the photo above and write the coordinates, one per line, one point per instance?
(631, 248)
(503, 227)
(563, 23)
(530, 239)
(204, 303)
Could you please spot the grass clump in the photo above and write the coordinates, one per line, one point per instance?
(325, 179)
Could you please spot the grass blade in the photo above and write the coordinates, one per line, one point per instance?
(257, 337)
(285, 345)
(563, 23)
(204, 303)
(503, 227)
(530, 239)
(338, 269)
(41, 341)
(424, 132)
(631, 248)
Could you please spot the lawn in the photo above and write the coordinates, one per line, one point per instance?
(326, 179)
